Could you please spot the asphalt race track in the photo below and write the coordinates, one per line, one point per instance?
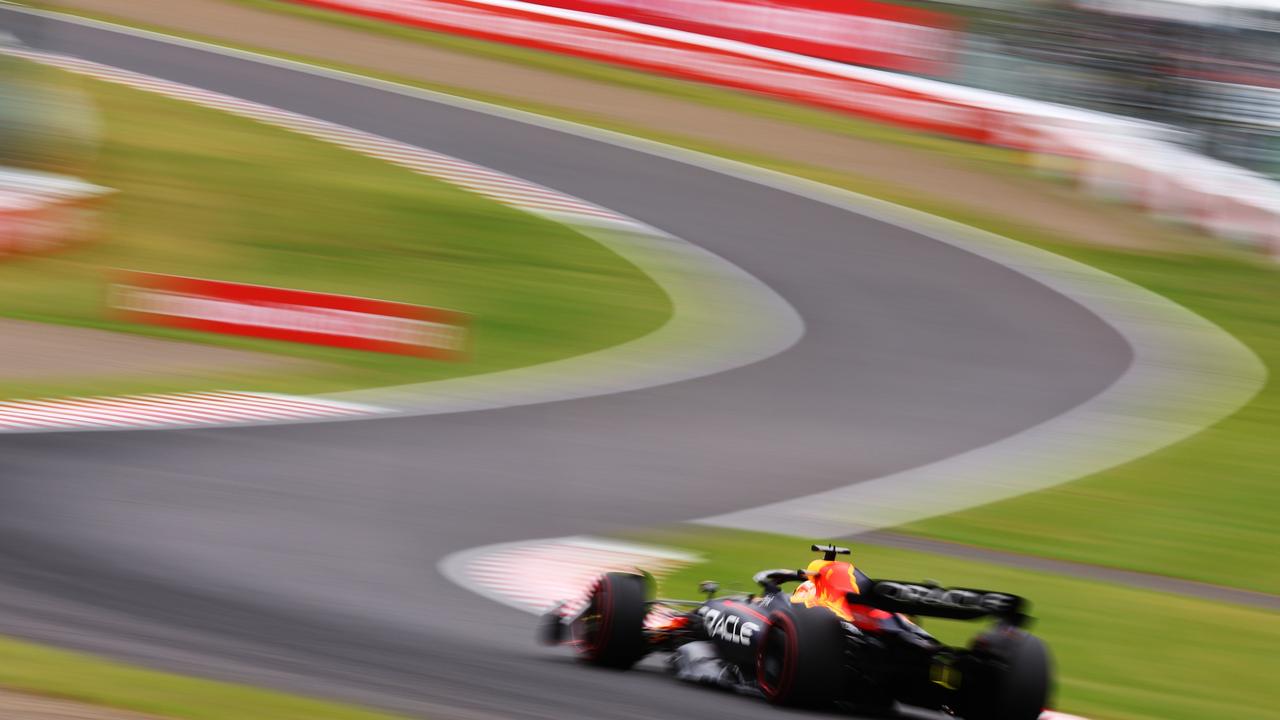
(303, 556)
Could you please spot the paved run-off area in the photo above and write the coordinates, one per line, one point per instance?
(18, 706)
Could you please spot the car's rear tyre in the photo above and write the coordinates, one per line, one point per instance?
(1018, 680)
(611, 629)
(801, 658)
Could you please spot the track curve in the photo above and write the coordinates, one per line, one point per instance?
(304, 556)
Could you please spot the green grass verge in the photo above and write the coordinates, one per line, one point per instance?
(207, 194)
(1197, 510)
(57, 673)
(1121, 654)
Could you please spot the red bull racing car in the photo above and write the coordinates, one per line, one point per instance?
(838, 639)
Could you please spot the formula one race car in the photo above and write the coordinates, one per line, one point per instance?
(839, 639)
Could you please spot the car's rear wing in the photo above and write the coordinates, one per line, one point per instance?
(929, 600)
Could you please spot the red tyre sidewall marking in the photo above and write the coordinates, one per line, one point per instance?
(606, 616)
(787, 676)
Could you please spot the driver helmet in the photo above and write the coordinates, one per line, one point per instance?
(806, 591)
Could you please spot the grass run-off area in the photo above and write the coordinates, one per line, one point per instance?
(37, 670)
(1121, 654)
(206, 194)
(1202, 510)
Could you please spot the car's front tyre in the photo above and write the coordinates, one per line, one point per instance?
(610, 632)
(801, 657)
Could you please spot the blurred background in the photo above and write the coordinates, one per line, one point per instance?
(1208, 69)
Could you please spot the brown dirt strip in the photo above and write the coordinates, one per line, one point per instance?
(36, 351)
(1084, 571)
(921, 173)
(18, 706)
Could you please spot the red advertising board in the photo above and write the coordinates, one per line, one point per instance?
(862, 32)
(290, 315)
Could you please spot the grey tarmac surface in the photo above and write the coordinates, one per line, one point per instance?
(303, 557)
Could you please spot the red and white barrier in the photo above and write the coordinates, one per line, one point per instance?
(1112, 156)
(682, 54)
(862, 32)
(290, 315)
(41, 213)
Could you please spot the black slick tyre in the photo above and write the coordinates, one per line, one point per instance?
(801, 658)
(612, 627)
